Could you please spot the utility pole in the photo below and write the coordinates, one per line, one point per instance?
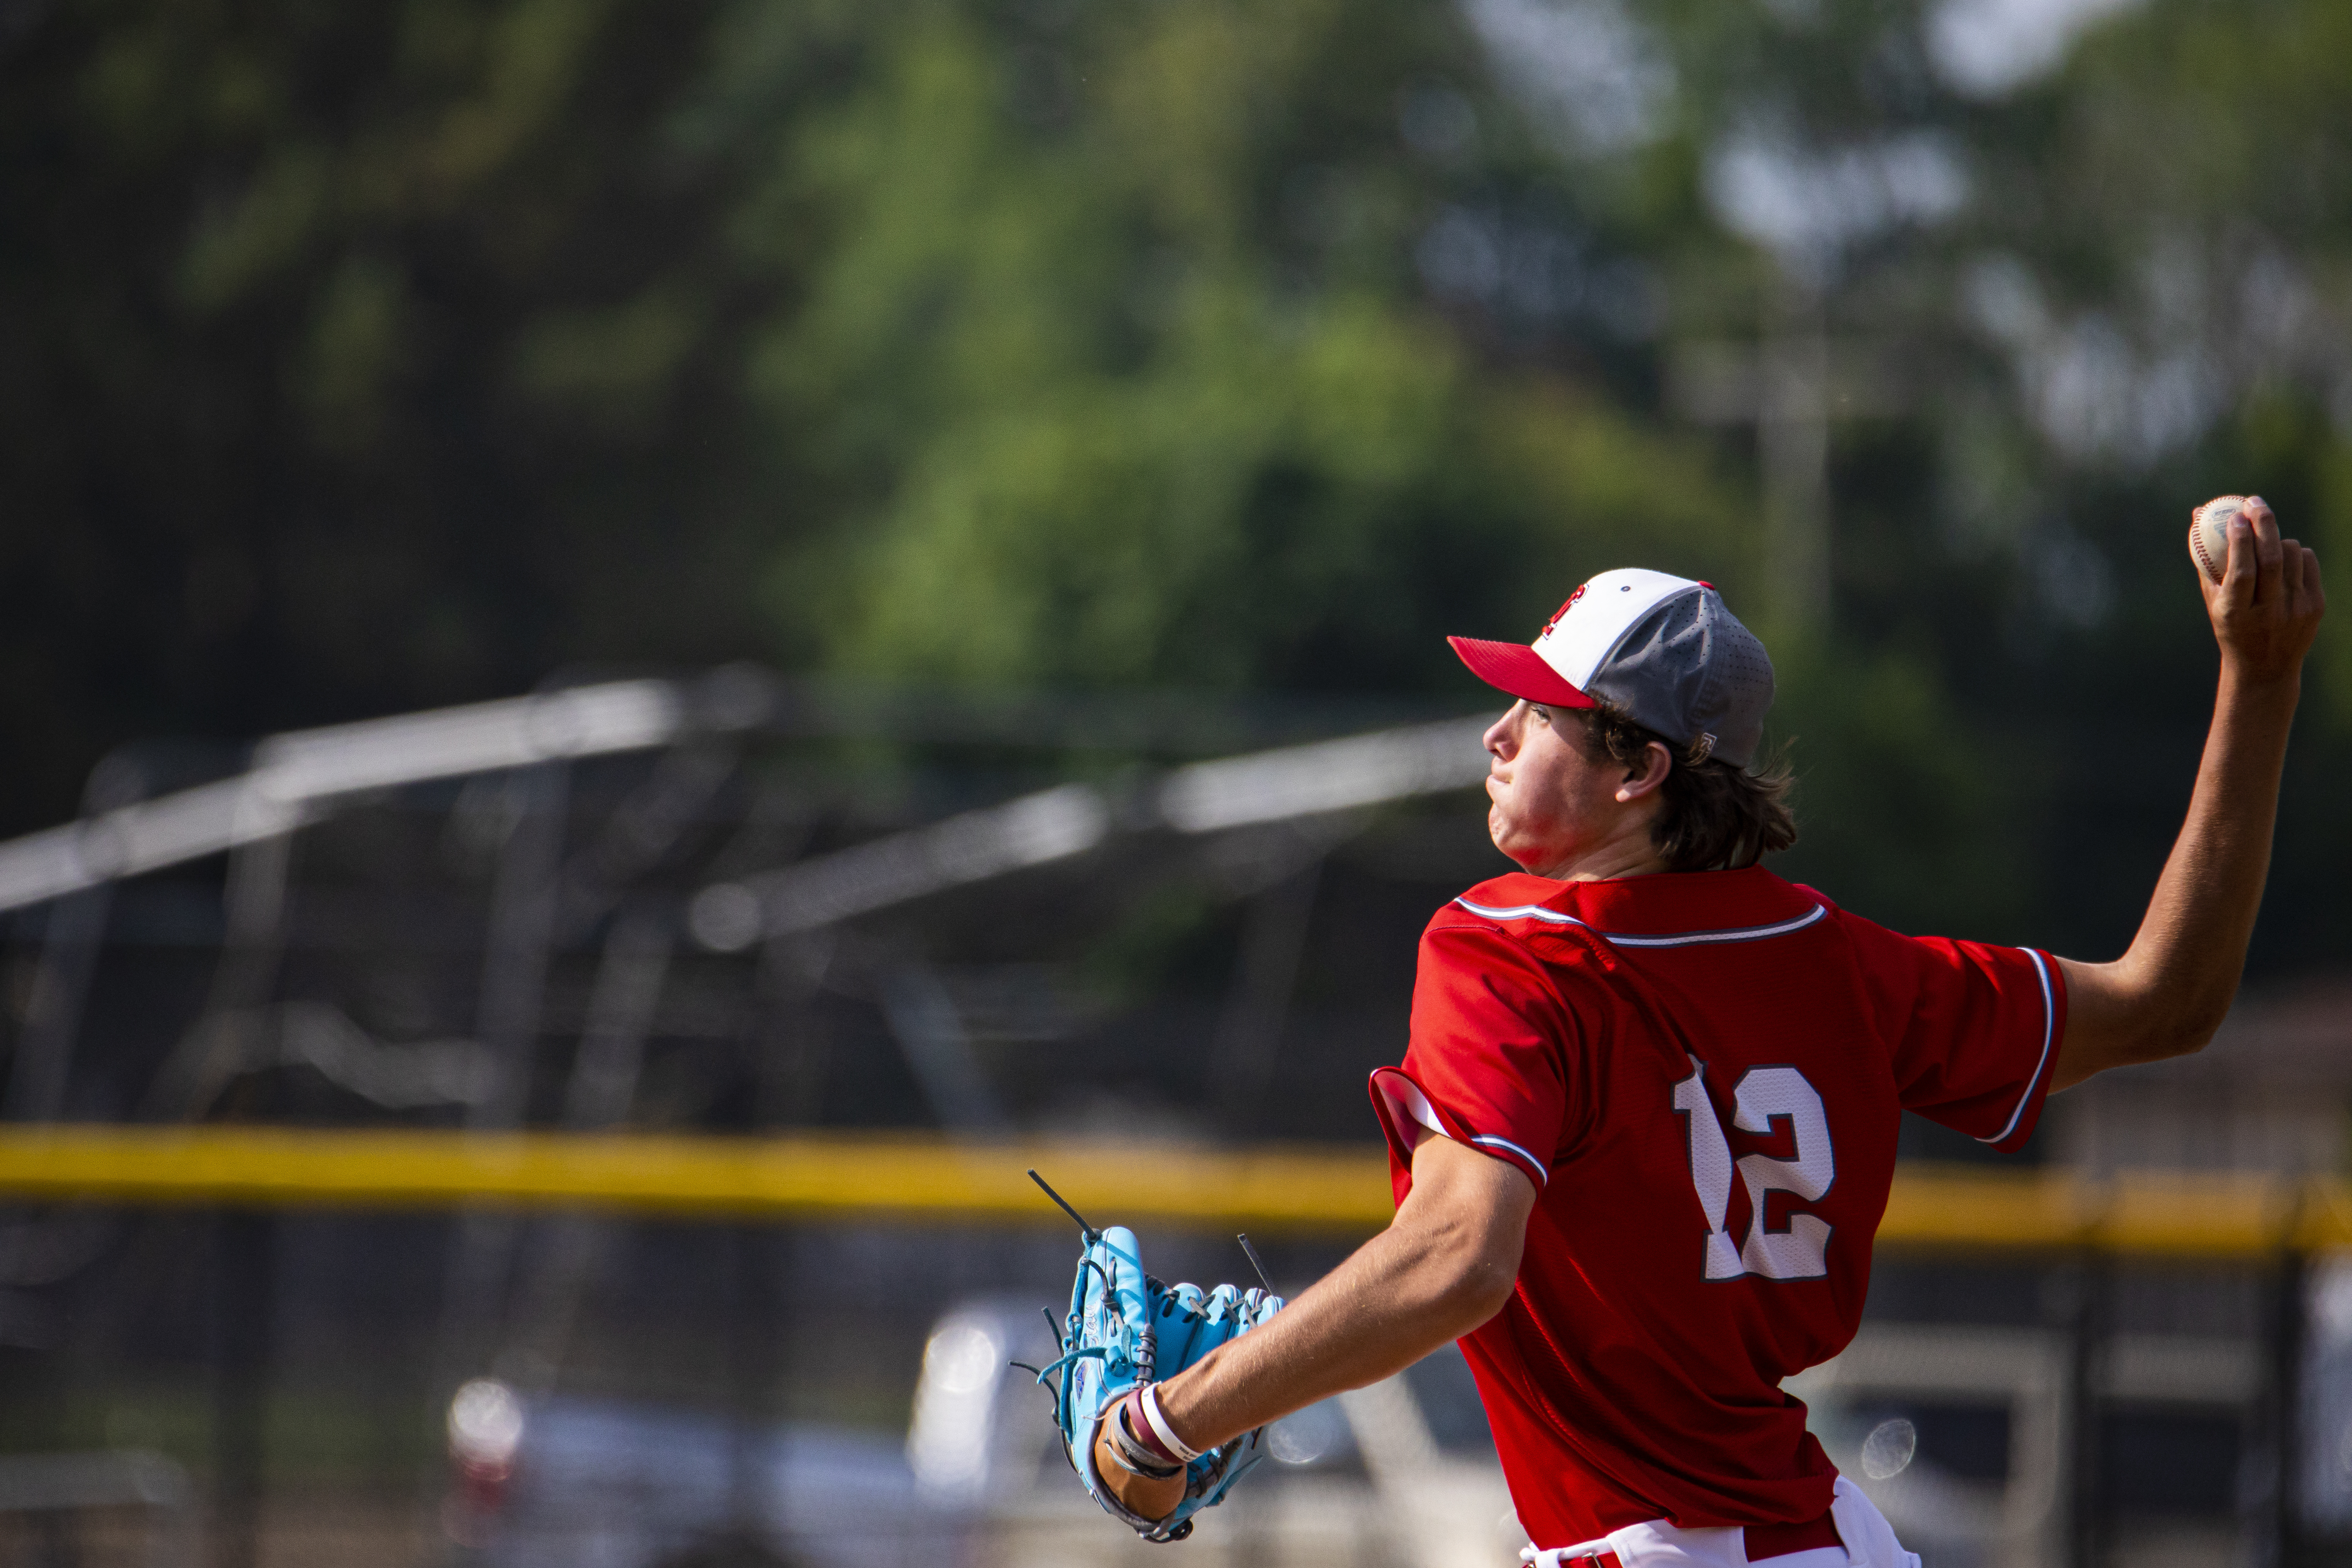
(1789, 384)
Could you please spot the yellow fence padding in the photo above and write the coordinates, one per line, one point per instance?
(915, 1179)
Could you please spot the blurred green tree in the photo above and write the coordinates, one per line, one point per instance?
(358, 357)
(1117, 361)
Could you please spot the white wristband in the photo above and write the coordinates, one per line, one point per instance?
(1166, 1434)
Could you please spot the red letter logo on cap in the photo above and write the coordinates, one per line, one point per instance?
(1563, 610)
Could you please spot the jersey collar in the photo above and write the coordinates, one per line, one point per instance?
(1668, 904)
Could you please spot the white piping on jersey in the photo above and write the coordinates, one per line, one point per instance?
(1742, 934)
(2048, 1028)
(1679, 939)
(1401, 1093)
(1535, 911)
(1490, 1141)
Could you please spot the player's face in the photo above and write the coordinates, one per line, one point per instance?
(1553, 802)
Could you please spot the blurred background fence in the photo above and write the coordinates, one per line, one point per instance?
(581, 1121)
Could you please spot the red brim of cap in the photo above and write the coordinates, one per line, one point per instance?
(1518, 670)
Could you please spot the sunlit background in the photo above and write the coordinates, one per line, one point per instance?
(953, 506)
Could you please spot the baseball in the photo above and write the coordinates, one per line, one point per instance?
(2208, 534)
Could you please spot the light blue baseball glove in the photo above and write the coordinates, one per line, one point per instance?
(1126, 1328)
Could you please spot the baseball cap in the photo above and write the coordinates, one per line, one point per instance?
(1664, 649)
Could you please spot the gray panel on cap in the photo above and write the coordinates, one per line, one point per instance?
(1688, 668)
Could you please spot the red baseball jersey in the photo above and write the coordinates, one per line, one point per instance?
(1702, 1073)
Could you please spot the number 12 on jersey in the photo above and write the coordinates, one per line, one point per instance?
(1762, 1097)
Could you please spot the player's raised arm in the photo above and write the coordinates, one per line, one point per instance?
(2167, 993)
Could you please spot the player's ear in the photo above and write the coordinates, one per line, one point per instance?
(1646, 774)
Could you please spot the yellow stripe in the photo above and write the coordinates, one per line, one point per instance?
(2178, 1213)
(828, 1176)
(2184, 1215)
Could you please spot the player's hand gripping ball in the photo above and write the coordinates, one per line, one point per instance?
(1125, 1329)
(2209, 534)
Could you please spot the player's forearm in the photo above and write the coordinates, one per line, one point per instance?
(2191, 948)
(1392, 1303)
(1445, 1265)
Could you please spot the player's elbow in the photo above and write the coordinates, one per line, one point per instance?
(2182, 1037)
(1478, 1294)
(1473, 1275)
(2125, 1017)
(2182, 1023)
(2153, 1038)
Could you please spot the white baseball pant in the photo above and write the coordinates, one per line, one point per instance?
(1869, 1543)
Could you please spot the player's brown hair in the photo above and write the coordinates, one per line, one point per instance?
(1717, 817)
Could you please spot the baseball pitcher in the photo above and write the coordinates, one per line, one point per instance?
(1645, 1124)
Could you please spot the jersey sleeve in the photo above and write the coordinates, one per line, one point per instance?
(1487, 1064)
(1973, 1029)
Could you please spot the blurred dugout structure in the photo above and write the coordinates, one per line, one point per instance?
(733, 905)
(720, 905)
